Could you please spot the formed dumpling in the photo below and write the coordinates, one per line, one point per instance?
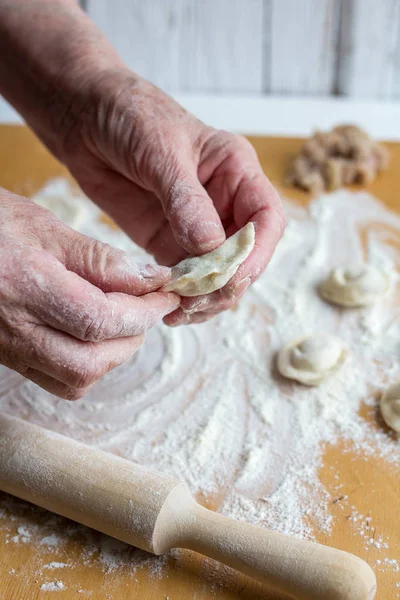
(355, 285)
(312, 358)
(390, 406)
(205, 274)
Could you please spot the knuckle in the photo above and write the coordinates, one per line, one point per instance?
(95, 257)
(237, 144)
(94, 328)
(244, 144)
(84, 375)
(73, 394)
(281, 221)
(139, 340)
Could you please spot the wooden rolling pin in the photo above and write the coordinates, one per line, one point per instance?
(156, 512)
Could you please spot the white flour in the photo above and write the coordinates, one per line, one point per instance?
(204, 402)
(52, 586)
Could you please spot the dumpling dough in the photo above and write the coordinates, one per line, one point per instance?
(390, 406)
(356, 285)
(310, 359)
(205, 274)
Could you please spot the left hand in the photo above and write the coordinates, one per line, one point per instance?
(176, 186)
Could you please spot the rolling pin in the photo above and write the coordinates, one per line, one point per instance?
(156, 512)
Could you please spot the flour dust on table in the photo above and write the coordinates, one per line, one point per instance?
(205, 402)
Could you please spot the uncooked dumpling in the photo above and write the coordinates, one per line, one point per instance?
(356, 285)
(205, 274)
(310, 359)
(390, 406)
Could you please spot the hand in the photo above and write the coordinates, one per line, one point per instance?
(176, 186)
(71, 308)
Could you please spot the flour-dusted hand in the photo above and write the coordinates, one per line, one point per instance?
(175, 185)
(71, 308)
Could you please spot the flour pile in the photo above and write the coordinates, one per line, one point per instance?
(205, 403)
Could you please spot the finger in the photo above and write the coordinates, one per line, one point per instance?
(108, 268)
(185, 319)
(256, 200)
(72, 362)
(190, 211)
(66, 302)
(143, 220)
(210, 304)
(164, 247)
(53, 386)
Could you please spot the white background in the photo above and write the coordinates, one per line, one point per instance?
(287, 116)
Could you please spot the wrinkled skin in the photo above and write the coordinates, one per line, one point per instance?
(176, 186)
(67, 313)
(72, 308)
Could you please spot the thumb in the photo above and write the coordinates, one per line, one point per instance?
(191, 213)
(108, 268)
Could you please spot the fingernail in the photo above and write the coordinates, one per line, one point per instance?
(200, 303)
(240, 288)
(207, 235)
(130, 266)
(173, 303)
(152, 271)
(181, 320)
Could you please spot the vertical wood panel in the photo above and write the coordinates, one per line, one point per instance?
(368, 59)
(396, 77)
(146, 34)
(303, 40)
(222, 47)
(277, 46)
(213, 45)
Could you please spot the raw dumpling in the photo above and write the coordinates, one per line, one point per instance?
(356, 285)
(390, 406)
(310, 359)
(205, 274)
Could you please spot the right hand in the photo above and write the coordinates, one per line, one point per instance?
(71, 308)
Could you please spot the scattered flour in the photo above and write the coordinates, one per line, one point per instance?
(25, 534)
(56, 565)
(52, 586)
(51, 540)
(205, 403)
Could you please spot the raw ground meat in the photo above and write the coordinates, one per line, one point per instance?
(335, 158)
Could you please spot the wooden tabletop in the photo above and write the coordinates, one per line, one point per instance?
(373, 486)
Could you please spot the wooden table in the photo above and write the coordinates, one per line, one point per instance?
(372, 485)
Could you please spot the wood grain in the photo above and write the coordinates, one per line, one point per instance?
(369, 61)
(222, 46)
(373, 486)
(156, 513)
(147, 35)
(301, 53)
(184, 44)
(346, 47)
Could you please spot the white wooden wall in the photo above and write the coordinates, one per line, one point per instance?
(309, 47)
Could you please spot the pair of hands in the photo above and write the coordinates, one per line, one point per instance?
(72, 308)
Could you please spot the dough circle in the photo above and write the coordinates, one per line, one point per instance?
(355, 285)
(312, 358)
(390, 406)
(201, 275)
